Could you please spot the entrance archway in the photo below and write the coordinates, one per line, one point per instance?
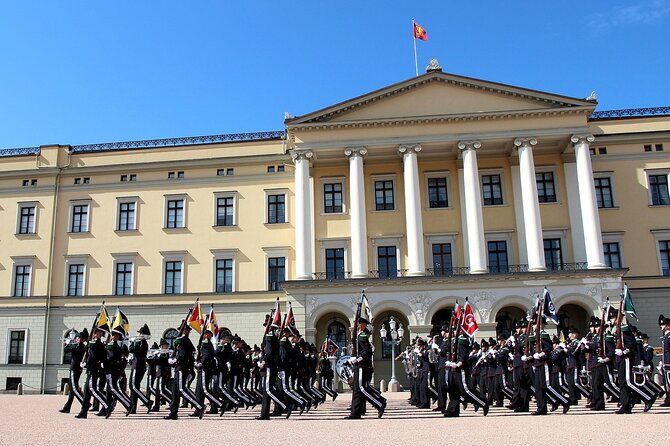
(441, 317)
(507, 317)
(572, 315)
(336, 327)
(385, 351)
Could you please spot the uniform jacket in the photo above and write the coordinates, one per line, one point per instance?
(77, 351)
(139, 349)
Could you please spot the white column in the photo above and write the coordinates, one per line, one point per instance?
(473, 207)
(532, 224)
(303, 216)
(575, 212)
(359, 232)
(416, 265)
(518, 211)
(593, 240)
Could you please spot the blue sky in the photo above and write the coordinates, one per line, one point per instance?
(78, 72)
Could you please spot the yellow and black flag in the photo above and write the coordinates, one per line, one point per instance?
(104, 321)
(121, 323)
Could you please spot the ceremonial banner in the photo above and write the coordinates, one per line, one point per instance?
(121, 320)
(196, 320)
(420, 32)
(103, 320)
(469, 324)
(212, 324)
(276, 315)
(289, 321)
(628, 306)
(549, 310)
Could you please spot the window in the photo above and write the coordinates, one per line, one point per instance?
(224, 275)
(17, 342)
(612, 254)
(124, 177)
(12, 383)
(592, 151)
(225, 211)
(124, 279)
(25, 183)
(170, 335)
(664, 251)
(21, 280)
(133, 177)
(647, 147)
(442, 265)
(337, 332)
(602, 150)
(79, 218)
(77, 181)
(335, 263)
(175, 213)
(553, 257)
(658, 147)
(75, 279)
(332, 198)
(603, 188)
(437, 193)
(173, 277)
(220, 172)
(180, 174)
(126, 216)
(276, 272)
(230, 171)
(277, 208)
(27, 219)
(271, 169)
(546, 192)
(87, 180)
(497, 256)
(658, 186)
(171, 175)
(384, 195)
(491, 190)
(281, 168)
(387, 263)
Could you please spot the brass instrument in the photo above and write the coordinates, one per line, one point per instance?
(152, 352)
(139, 337)
(70, 336)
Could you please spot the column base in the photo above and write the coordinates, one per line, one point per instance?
(359, 275)
(416, 273)
(304, 277)
(597, 266)
(537, 269)
(478, 271)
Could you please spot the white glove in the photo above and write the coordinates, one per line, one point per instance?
(228, 365)
(261, 364)
(626, 351)
(352, 361)
(131, 356)
(281, 374)
(536, 355)
(601, 360)
(198, 365)
(618, 352)
(172, 361)
(359, 359)
(524, 358)
(449, 364)
(458, 364)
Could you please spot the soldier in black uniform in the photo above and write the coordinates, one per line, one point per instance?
(205, 366)
(627, 356)
(96, 358)
(223, 358)
(422, 368)
(457, 380)
(138, 348)
(115, 372)
(574, 363)
(443, 357)
(286, 367)
(521, 395)
(664, 323)
(163, 375)
(269, 372)
(77, 349)
(327, 375)
(543, 388)
(183, 362)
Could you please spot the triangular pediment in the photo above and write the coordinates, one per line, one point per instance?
(438, 94)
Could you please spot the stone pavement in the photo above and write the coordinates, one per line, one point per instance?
(34, 420)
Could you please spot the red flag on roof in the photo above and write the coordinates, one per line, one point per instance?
(420, 32)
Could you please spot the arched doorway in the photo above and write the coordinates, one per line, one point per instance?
(386, 350)
(334, 326)
(507, 317)
(441, 317)
(572, 315)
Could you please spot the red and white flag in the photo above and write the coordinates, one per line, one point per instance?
(458, 312)
(419, 32)
(276, 315)
(289, 321)
(212, 323)
(330, 347)
(469, 324)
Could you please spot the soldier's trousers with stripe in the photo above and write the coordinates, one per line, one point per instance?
(74, 390)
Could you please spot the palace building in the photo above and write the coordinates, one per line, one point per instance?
(421, 193)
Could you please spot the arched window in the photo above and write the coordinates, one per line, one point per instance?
(170, 335)
(440, 318)
(337, 332)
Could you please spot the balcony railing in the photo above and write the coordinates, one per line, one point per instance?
(578, 266)
(447, 272)
(332, 275)
(376, 274)
(508, 269)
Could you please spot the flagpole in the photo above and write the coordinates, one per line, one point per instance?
(416, 60)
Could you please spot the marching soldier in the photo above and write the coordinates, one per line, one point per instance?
(163, 375)
(542, 383)
(205, 367)
(96, 357)
(115, 372)
(573, 366)
(183, 363)
(269, 371)
(664, 365)
(457, 380)
(138, 350)
(521, 396)
(223, 358)
(422, 367)
(443, 357)
(627, 354)
(327, 374)
(77, 349)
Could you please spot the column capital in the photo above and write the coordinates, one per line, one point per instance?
(409, 148)
(355, 151)
(301, 155)
(465, 145)
(525, 142)
(582, 139)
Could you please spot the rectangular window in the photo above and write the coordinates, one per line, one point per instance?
(124, 177)
(491, 190)
(553, 256)
(281, 168)
(603, 188)
(77, 181)
(220, 172)
(664, 250)
(133, 177)
(497, 256)
(25, 183)
(658, 147)
(12, 383)
(17, 342)
(21, 281)
(332, 198)
(224, 275)
(87, 180)
(437, 193)
(647, 147)
(180, 174)
(79, 218)
(335, 263)
(173, 277)
(126, 216)
(442, 265)
(384, 195)
(75, 279)
(612, 254)
(170, 175)
(277, 208)
(271, 169)
(658, 185)
(387, 262)
(124, 279)
(276, 272)
(602, 150)
(27, 219)
(175, 214)
(230, 171)
(546, 192)
(225, 211)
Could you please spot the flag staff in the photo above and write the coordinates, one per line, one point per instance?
(416, 60)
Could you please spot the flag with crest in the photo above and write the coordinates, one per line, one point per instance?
(289, 321)
(366, 310)
(628, 306)
(469, 324)
(276, 315)
(121, 321)
(549, 310)
(104, 322)
(330, 347)
(196, 320)
(213, 324)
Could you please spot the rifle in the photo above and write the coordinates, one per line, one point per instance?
(459, 328)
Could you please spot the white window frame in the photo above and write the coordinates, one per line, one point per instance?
(384, 177)
(434, 239)
(20, 206)
(76, 259)
(277, 251)
(503, 194)
(280, 191)
(438, 174)
(659, 235)
(334, 243)
(122, 200)
(610, 176)
(224, 254)
(22, 261)
(125, 257)
(617, 237)
(391, 240)
(172, 197)
(543, 169)
(648, 172)
(25, 344)
(89, 215)
(174, 256)
(226, 194)
(333, 180)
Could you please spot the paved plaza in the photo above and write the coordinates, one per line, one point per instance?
(34, 420)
